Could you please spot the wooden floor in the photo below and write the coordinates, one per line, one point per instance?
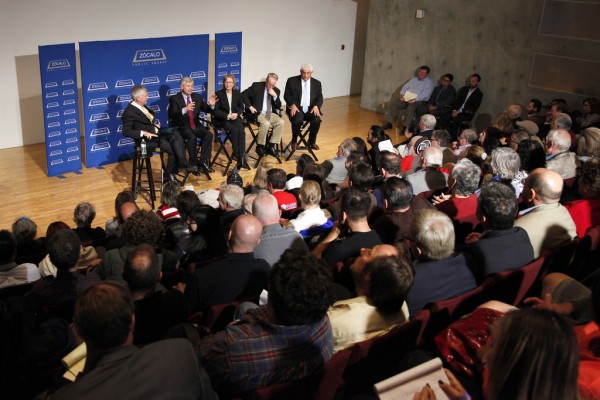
(26, 190)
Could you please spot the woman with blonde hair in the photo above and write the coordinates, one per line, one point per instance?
(313, 215)
(588, 144)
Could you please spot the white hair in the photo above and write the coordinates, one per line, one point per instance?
(428, 121)
(306, 68)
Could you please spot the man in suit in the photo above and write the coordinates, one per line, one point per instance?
(184, 114)
(467, 103)
(440, 103)
(304, 99)
(104, 319)
(263, 102)
(138, 123)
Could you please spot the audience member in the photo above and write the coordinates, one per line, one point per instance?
(559, 158)
(114, 225)
(389, 166)
(461, 204)
(351, 232)
(275, 238)
(429, 177)
(467, 103)
(506, 164)
(285, 340)
(206, 241)
(547, 223)
(532, 156)
(534, 112)
(104, 319)
(339, 172)
(439, 272)
(466, 138)
(25, 232)
(168, 202)
(441, 140)
(588, 144)
(375, 135)
(413, 94)
(312, 214)
(591, 114)
(360, 177)
(239, 275)
(231, 198)
(382, 283)
(276, 180)
(83, 216)
(156, 311)
(400, 206)
(293, 184)
(586, 212)
(11, 273)
(502, 245)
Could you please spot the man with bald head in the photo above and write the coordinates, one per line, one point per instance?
(239, 275)
(547, 223)
(382, 278)
(275, 238)
(558, 156)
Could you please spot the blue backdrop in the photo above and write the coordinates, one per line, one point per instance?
(110, 69)
(228, 57)
(61, 112)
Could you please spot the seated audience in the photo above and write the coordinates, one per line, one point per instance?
(239, 275)
(547, 223)
(11, 273)
(439, 272)
(533, 356)
(559, 158)
(114, 225)
(25, 232)
(155, 310)
(351, 232)
(429, 177)
(142, 227)
(61, 291)
(382, 280)
(466, 138)
(360, 177)
(591, 114)
(501, 246)
(206, 240)
(375, 135)
(535, 112)
(532, 156)
(312, 214)
(88, 257)
(389, 166)
(441, 140)
(285, 340)
(461, 205)
(339, 172)
(275, 238)
(276, 179)
(293, 184)
(230, 200)
(588, 144)
(505, 164)
(104, 319)
(586, 212)
(168, 198)
(400, 206)
(83, 216)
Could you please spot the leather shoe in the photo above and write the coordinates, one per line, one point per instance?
(314, 146)
(387, 125)
(188, 168)
(242, 163)
(204, 167)
(271, 151)
(294, 146)
(169, 178)
(260, 150)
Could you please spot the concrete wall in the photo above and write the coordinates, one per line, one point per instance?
(497, 39)
(276, 38)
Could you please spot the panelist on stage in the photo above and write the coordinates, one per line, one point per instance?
(263, 102)
(138, 123)
(184, 114)
(304, 99)
(227, 113)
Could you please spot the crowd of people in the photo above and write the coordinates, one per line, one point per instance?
(339, 252)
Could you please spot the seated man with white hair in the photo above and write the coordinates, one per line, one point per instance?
(427, 125)
(429, 177)
(439, 272)
(559, 158)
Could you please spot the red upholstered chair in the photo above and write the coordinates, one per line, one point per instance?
(378, 358)
(586, 259)
(321, 385)
(559, 259)
(531, 278)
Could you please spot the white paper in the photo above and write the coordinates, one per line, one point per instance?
(404, 385)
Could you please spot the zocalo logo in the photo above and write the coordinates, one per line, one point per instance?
(124, 83)
(50, 85)
(55, 153)
(72, 149)
(97, 86)
(72, 140)
(68, 92)
(198, 74)
(56, 162)
(53, 114)
(125, 142)
(150, 80)
(149, 55)
(67, 82)
(100, 131)
(73, 158)
(101, 101)
(100, 147)
(55, 143)
(229, 48)
(99, 117)
(70, 121)
(54, 124)
(174, 77)
(124, 98)
(54, 134)
(52, 104)
(58, 64)
(70, 131)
